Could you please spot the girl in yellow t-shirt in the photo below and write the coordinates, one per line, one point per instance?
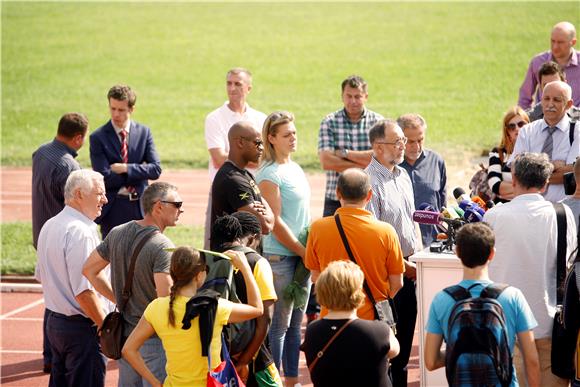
(185, 364)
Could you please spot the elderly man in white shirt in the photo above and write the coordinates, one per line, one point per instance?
(75, 311)
(554, 135)
(219, 122)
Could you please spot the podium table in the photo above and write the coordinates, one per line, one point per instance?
(435, 271)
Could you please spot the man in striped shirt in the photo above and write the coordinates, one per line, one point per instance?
(52, 163)
(393, 202)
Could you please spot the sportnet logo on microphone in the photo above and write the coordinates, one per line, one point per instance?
(419, 216)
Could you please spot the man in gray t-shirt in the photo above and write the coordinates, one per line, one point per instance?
(162, 206)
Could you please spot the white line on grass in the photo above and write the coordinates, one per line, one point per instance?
(22, 309)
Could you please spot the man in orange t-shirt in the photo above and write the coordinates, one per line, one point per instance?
(374, 244)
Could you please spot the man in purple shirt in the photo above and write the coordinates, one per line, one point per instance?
(562, 51)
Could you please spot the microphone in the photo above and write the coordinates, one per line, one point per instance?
(472, 215)
(435, 218)
(459, 194)
(468, 204)
(426, 207)
(449, 213)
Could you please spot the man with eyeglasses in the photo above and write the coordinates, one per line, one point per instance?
(219, 122)
(234, 188)
(425, 168)
(162, 206)
(551, 135)
(392, 202)
(123, 151)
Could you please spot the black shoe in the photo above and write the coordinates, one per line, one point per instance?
(47, 368)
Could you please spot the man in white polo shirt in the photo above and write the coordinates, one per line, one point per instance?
(219, 122)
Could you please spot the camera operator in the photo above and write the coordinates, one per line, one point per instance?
(571, 188)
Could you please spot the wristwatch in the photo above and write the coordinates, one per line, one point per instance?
(344, 153)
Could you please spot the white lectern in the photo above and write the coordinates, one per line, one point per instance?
(435, 271)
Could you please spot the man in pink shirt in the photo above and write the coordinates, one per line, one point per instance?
(563, 39)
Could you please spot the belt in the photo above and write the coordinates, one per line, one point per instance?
(133, 196)
(74, 317)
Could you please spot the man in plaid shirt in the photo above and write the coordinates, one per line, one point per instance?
(343, 140)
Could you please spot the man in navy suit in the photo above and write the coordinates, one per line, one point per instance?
(123, 151)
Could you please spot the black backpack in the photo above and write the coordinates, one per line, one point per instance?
(231, 286)
(478, 351)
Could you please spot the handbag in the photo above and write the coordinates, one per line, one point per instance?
(384, 310)
(225, 374)
(111, 331)
(563, 340)
(321, 352)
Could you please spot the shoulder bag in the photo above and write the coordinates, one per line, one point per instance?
(384, 311)
(321, 352)
(111, 331)
(563, 340)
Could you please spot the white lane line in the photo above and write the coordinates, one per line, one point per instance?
(35, 319)
(17, 352)
(22, 309)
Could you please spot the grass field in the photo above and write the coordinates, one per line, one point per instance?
(19, 256)
(458, 64)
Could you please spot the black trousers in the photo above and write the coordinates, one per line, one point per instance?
(76, 353)
(406, 308)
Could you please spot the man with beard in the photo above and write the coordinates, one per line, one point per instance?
(392, 202)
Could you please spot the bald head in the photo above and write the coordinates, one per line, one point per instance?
(242, 129)
(353, 185)
(566, 27)
(562, 41)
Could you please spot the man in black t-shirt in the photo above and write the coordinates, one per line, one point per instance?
(233, 188)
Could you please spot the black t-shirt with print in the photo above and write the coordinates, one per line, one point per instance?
(232, 189)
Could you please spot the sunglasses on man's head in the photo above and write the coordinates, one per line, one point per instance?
(512, 126)
(175, 204)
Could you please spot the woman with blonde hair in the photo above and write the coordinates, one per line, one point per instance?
(185, 364)
(499, 176)
(340, 289)
(283, 184)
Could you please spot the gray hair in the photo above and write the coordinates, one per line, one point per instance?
(154, 193)
(532, 170)
(377, 132)
(83, 179)
(412, 121)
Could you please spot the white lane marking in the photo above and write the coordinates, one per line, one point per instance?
(35, 319)
(22, 309)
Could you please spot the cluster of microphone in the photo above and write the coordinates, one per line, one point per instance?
(451, 218)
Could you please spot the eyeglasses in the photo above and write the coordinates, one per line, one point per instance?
(257, 143)
(399, 143)
(512, 126)
(175, 204)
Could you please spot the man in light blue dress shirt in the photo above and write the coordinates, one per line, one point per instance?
(74, 309)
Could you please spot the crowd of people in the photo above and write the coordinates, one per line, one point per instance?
(378, 172)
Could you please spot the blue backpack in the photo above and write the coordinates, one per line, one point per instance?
(478, 352)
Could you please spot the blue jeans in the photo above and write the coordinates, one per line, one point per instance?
(154, 356)
(284, 332)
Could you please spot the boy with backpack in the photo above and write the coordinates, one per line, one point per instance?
(479, 321)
